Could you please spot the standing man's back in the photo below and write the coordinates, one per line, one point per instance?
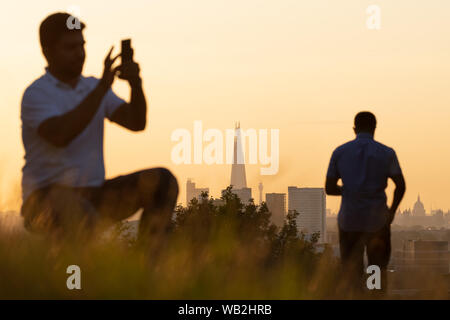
(364, 166)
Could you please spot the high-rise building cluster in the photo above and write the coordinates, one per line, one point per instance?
(193, 192)
(310, 203)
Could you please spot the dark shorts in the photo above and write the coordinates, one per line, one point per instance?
(63, 208)
(377, 246)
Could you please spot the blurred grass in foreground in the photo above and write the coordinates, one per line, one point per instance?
(229, 251)
(226, 252)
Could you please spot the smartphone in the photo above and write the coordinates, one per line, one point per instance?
(127, 52)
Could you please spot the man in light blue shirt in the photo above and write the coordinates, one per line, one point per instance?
(364, 166)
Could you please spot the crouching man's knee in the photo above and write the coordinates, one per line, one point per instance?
(167, 187)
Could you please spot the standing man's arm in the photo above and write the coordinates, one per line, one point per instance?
(61, 130)
(132, 115)
(400, 188)
(332, 188)
(331, 184)
(395, 173)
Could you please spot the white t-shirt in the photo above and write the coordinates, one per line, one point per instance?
(81, 162)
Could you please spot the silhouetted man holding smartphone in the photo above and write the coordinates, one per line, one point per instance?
(364, 166)
(64, 188)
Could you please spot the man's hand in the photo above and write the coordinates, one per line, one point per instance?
(332, 188)
(399, 191)
(61, 130)
(109, 72)
(130, 71)
(132, 115)
(391, 216)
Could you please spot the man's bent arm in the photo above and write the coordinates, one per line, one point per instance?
(61, 130)
(400, 188)
(133, 115)
(332, 188)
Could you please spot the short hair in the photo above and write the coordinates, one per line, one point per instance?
(54, 26)
(365, 121)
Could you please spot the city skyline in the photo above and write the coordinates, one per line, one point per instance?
(402, 208)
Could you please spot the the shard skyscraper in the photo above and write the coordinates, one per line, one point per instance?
(238, 178)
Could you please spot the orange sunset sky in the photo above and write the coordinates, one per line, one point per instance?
(303, 67)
